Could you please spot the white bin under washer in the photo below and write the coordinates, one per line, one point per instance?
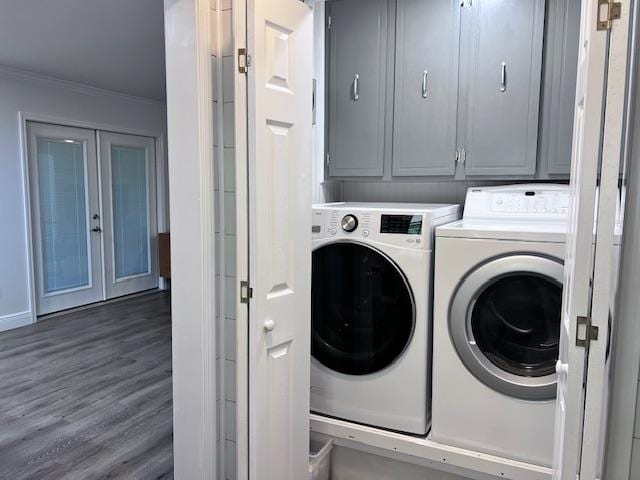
(497, 312)
(371, 312)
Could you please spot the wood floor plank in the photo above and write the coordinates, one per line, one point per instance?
(87, 394)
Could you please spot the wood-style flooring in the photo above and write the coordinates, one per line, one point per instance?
(87, 394)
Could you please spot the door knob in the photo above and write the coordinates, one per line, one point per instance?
(96, 229)
(269, 325)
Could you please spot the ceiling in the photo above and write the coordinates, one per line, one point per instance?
(112, 44)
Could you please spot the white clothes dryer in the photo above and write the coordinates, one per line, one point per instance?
(371, 312)
(497, 314)
(497, 311)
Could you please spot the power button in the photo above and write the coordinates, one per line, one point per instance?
(333, 231)
(365, 233)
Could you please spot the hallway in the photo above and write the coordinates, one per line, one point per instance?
(87, 394)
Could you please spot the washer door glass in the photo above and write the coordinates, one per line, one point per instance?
(362, 313)
(516, 324)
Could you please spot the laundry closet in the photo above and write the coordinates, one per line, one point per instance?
(422, 100)
(442, 143)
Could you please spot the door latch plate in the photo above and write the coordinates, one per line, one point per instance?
(583, 324)
(246, 292)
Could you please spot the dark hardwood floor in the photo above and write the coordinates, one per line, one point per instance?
(87, 394)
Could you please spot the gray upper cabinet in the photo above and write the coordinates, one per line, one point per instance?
(357, 48)
(426, 77)
(501, 66)
(562, 32)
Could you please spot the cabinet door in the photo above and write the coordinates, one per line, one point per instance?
(502, 58)
(357, 54)
(426, 87)
(562, 32)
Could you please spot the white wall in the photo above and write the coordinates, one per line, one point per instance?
(38, 95)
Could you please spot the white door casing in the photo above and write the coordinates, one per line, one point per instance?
(577, 296)
(129, 217)
(279, 99)
(86, 286)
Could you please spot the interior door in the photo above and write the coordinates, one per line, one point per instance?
(279, 99)
(63, 183)
(605, 260)
(129, 223)
(579, 273)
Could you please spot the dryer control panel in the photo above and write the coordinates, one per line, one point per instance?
(545, 202)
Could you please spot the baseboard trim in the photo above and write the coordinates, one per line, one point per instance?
(15, 320)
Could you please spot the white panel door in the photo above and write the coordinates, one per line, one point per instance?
(279, 91)
(63, 184)
(605, 261)
(129, 223)
(578, 300)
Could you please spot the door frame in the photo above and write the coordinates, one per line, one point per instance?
(161, 181)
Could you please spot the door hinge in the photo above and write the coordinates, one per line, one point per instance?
(585, 331)
(329, 22)
(313, 101)
(608, 11)
(246, 292)
(328, 159)
(244, 60)
(466, 3)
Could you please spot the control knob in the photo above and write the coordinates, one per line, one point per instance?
(349, 223)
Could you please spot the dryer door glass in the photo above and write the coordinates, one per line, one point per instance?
(362, 309)
(516, 324)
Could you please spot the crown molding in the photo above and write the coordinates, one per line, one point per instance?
(39, 78)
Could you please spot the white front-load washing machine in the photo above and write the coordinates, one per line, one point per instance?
(497, 313)
(371, 312)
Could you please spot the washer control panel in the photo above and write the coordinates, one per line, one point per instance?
(402, 229)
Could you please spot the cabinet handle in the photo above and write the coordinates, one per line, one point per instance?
(503, 77)
(356, 87)
(425, 74)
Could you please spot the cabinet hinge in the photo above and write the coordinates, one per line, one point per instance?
(244, 60)
(328, 159)
(608, 11)
(328, 22)
(585, 331)
(461, 155)
(246, 292)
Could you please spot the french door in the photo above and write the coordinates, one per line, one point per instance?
(127, 166)
(93, 215)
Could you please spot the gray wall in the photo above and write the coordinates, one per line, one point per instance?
(33, 94)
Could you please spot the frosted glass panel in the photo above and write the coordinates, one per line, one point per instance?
(130, 207)
(63, 214)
